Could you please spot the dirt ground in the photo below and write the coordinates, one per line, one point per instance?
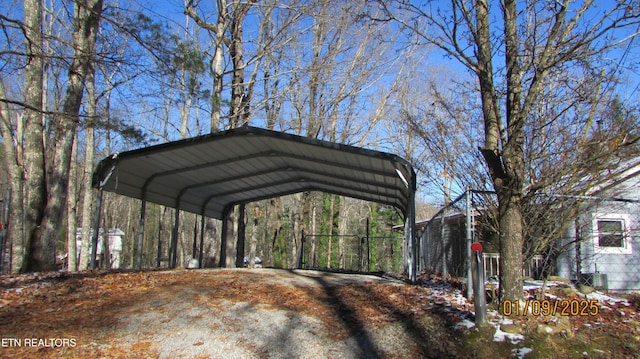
(263, 313)
(216, 314)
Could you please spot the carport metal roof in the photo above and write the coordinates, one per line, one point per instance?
(209, 174)
(205, 174)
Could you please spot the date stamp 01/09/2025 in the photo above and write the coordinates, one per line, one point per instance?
(546, 307)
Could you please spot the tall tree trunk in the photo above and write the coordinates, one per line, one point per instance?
(239, 97)
(87, 203)
(72, 211)
(273, 102)
(253, 240)
(36, 254)
(298, 223)
(42, 241)
(228, 243)
(218, 71)
(314, 119)
(510, 190)
(185, 91)
(107, 120)
(511, 244)
(217, 63)
(14, 164)
(274, 219)
(506, 166)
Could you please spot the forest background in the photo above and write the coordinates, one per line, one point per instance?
(427, 81)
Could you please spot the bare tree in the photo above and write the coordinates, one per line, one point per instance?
(72, 210)
(218, 30)
(49, 193)
(87, 218)
(227, 31)
(43, 254)
(514, 54)
(11, 128)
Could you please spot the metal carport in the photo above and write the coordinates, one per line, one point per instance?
(208, 175)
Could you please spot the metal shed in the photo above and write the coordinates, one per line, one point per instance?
(208, 175)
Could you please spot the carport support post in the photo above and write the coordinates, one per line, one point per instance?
(479, 300)
(159, 253)
(226, 221)
(174, 239)
(195, 238)
(143, 208)
(368, 264)
(96, 230)
(301, 252)
(410, 233)
(443, 240)
(360, 250)
(242, 226)
(201, 241)
(469, 241)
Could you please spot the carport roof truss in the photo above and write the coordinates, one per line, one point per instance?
(206, 174)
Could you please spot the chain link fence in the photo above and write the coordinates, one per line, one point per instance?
(590, 240)
(352, 252)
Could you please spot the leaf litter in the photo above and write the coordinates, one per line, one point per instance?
(269, 313)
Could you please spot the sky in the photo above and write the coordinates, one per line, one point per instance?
(171, 12)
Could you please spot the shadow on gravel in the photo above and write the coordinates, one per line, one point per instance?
(352, 323)
(271, 338)
(430, 333)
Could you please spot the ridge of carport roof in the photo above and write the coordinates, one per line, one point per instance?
(208, 174)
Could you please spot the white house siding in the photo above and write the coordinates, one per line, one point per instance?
(584, 257)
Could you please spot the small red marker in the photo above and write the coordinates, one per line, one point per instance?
(476, 247)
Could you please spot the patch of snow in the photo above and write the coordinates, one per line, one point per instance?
(506, 321)
(532, 285)
(465, 324)
(521, 352)
(538, 284)
(443, 296)
(604, 298)
(500, 336)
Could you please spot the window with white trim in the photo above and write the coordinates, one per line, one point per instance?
(611, 233)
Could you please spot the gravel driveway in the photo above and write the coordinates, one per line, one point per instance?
(224, 313)
(187, 323)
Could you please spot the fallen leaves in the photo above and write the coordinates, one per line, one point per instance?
(85, 307)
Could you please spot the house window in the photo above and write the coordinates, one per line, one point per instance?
(611, 233)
